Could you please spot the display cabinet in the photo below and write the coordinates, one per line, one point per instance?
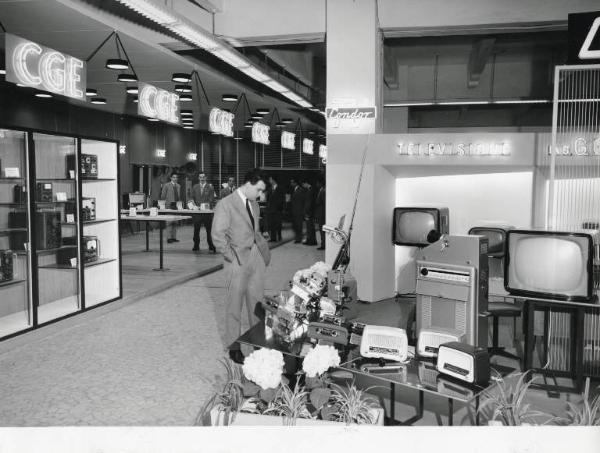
(59, 238)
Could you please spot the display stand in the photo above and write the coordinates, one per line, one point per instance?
(59, 221)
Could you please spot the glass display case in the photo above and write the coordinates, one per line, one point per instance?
(59, 227)
(15, 263)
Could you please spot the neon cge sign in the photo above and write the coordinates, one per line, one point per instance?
(40, 67)
(260, 133)
(157, 103)
(220, 122)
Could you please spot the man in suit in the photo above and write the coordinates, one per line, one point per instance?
(320, 209)
(297, 208)
(229, 187)
(275, 203)
(246, 253)
(203, 193)
(309, 213)
(171, 193)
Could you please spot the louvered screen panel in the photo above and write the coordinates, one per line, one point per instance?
(574, 189)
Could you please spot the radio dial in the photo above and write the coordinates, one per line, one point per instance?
(424, 271)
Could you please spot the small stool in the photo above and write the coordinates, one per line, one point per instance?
(505, 310)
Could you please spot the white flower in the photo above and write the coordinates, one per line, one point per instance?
(264, 368)
(320, 359)
(321, 268)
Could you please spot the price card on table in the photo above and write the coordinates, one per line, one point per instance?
(153, 212)
(132, 212)
(11, 172)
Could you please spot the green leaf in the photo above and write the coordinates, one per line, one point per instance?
(250, 389)
(328, 412)
(319, 396)
(267, 395)
(313, 382)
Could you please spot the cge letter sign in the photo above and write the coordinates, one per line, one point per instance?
(157, 103)
(43, 68)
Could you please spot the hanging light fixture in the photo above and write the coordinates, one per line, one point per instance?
(287, 121)
(117, 64)
(229, 98)
(185, 98)
(181, 77)
(248, 124)
(263, 111)
(135, 100)
(188, 127)
(183, 88)
(132, 89)
(186, 112)
(153, 119)
(43, 94)
(127, 78)
(98, 101)
(91, 92)
(256, 116)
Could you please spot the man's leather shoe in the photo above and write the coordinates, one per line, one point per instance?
(213, 250)
(196, 249)
(236, 355)
(321, 248)
(170, 240)
(175, 240)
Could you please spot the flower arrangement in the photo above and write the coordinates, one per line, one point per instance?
(260, 389)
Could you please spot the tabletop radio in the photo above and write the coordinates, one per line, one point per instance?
(43, 192)
(6, 265)
(382, 342)
(465, 362)
(431, 338)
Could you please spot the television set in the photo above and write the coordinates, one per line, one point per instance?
(496, 235)
(137, 198)
(551, 264)
(419, 226)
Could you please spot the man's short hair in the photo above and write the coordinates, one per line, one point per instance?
(273, 177)
(253, 176)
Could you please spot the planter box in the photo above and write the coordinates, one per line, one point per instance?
(243, 419)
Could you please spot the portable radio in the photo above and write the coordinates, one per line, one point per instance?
(384, 342)
(465, 362)
(43, 192)
(430, 340)
(325, 332)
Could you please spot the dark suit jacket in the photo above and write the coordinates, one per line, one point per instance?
(320, 207)
(297, 202)
(168, 192)
(227, 191)
(309, 202)
(275, 200)
(203, 195)
(232, 231)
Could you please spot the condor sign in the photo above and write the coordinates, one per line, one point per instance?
(43, 68)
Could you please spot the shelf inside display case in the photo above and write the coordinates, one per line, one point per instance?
(11, 179)
(9, 204)
(57, 179)
(6, 231)
(92, 222)
(12, 282)
(97, 179)
(54, 250)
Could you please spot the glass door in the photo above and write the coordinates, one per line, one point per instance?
(55, 227)
(100, 219)
(15, 263)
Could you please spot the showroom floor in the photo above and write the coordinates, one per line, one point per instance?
(153, 359)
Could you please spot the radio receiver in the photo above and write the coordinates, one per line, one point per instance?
(382, 342)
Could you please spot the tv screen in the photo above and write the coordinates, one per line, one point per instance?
(549, 264)
(496, 239)
(418, 226)
(136, 198)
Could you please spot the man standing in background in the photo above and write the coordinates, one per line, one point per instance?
(228, 188)
(275, 203)
(309, 213)
(297, 208)
(320, 209)
(203, 193)
(246, 255)
(171, 193)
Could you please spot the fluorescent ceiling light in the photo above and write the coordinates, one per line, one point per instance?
(194, 36)
(231, 57)
(150, 10)
(186, 113)
(255, 74)
(277, 86)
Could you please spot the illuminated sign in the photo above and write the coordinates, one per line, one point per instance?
(323, 151)
(307, 146)
(157, 103)
(122, 149)
(288, 140)
(161, 153)
(221, 122)
(579, 147)
(453, 149)
(349, 116)
(192, 156)
(32, 65)
(585, 53)
(260, 133)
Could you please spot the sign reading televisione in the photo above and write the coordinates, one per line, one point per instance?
(307, 146)
(288, 140)
(220, 122)
(260, 133)
(157, 103)
(453, 149)
(44, 68)
(579, 147)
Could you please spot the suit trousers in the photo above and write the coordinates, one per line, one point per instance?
(243, 283)
(311, 238)
(275, 226)
(172, 227)
(297, 222)
(205, 220)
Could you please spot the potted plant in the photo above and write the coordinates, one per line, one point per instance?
(588, 414)
(260, 395)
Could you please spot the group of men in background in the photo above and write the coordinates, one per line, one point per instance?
(307, 206)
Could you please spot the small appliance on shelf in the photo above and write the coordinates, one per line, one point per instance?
(383, 342)
(88, 165)
(7, 271)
